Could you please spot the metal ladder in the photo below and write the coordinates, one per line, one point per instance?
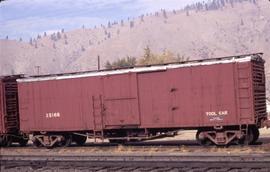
(11, 118)
(98, 117)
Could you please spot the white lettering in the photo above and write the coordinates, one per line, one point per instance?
(219, 113)
(53, 115)
(217, 116)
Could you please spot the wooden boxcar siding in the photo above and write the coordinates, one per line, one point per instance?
(189, 97)
(196, 96)
(58, 105)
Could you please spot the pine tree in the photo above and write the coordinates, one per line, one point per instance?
(165, 14)
(58, 35)
(222, 2)
(108, 65)
(187, 13)
(147, 56)
(206, 7)
(121, 63)
(142, 18)
(53, 37)
(82, 48)
(231, 2)
(31, 41)
(131, 24)
(242, 22)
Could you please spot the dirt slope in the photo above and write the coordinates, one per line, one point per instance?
(244, 28)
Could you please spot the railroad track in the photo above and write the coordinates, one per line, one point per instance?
(171, 143)
(137, 162)
(140, 148)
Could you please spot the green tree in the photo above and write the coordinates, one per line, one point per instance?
(180, 58)
(82, 48)
(31, 41)
(242, 22)
(59, 35)
(166, 57)
(148, 57)
(165, 14)
(121, 63)
(108, 65)
(131, 24)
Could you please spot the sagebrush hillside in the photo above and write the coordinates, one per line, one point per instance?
(196, 32)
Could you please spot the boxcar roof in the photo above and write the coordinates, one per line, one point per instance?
(148, 68)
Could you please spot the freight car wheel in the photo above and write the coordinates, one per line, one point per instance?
(66, 142)
(1, 140)
(37, 143)
(79, 140)
(23, 142)
(202, 141)
(256, 134)
(4, 142)
(7, 141)
(249, 138)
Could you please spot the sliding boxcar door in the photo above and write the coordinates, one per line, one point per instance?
(121, 100)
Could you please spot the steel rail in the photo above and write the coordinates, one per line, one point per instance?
(257, 161)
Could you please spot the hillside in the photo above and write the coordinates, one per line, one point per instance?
(229, 30)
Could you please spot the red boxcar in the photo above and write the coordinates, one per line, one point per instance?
(223, 98)
(9, 114)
